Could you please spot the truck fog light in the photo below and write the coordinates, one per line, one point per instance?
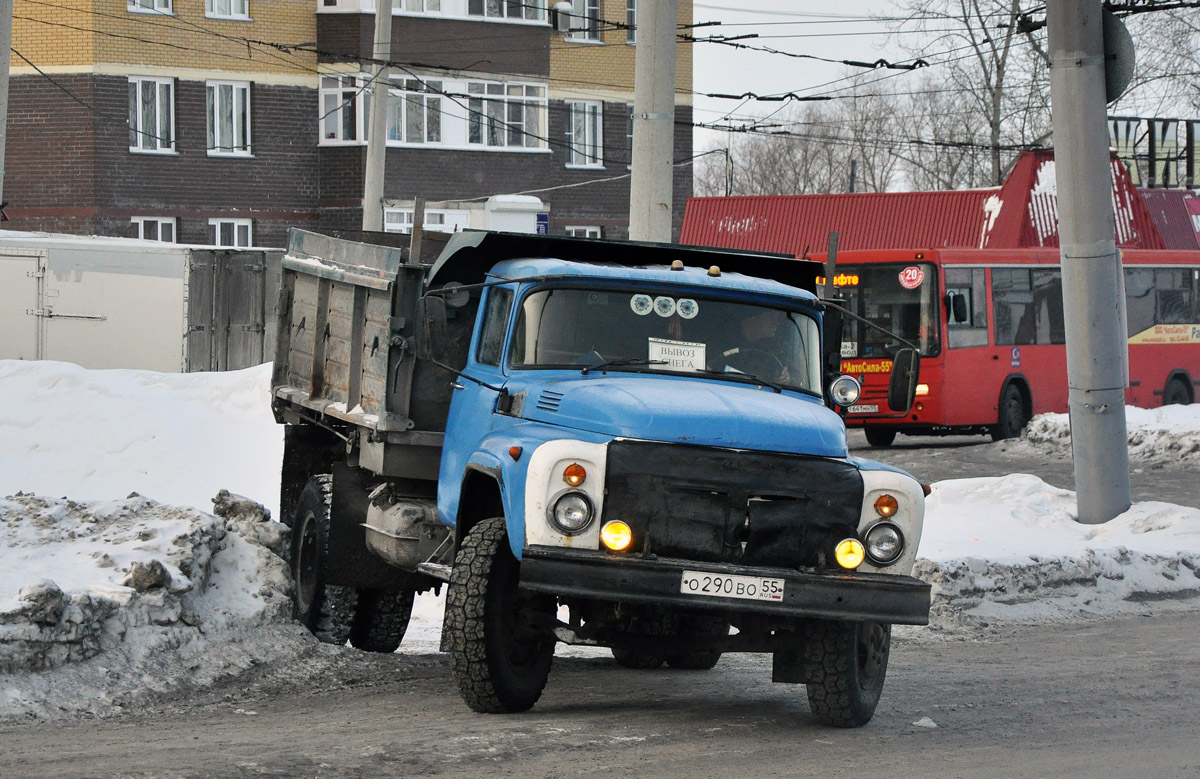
(849, 553)
(572, 513)
(886, 506)
(844, 390)
(616, 535)
(885, 543)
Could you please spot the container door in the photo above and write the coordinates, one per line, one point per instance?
(21, 322)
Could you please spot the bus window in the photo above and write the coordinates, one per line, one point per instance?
(966, 310)
(900, 299)
(1028, 306)
(1160, 296)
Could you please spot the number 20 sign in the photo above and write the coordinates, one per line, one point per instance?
(911, 277)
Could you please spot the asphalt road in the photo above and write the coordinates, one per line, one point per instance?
(932, 458)
(1111, 699)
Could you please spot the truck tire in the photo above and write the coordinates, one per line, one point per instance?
(326, 610)
(499, 660)
(1012, 418)
(1176, 393)
(699, 625)
(381, 619)
(845, 664)
(880, 436)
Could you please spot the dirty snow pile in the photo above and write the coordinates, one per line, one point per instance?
(1164, 434)
(120, 578)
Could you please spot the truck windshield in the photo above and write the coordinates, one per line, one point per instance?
(640, 331)
(901, 298)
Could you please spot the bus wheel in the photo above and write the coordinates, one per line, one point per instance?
(1176, 393)
(1012, 415)
(880, 436)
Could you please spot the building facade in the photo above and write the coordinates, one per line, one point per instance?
(228, 121)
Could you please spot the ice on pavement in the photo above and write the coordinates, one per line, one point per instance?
(119, 577)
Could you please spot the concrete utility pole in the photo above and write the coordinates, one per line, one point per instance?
(650, 186)
(1093, 287)
(6, 12)
(377, 133)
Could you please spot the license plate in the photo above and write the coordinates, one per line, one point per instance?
(864, 408)
(719, 585)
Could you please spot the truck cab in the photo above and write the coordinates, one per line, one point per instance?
(643, 450)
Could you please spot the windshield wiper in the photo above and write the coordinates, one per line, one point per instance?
(748, 377)
(621, 361)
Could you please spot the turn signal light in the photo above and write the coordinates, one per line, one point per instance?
(617, 536)
(850, 553)
(574, 474)
(886, 506)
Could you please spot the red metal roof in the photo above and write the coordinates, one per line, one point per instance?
(1171, 211)
(870, 220)
(1023, 213)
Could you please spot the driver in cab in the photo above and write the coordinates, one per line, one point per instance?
(757, 350)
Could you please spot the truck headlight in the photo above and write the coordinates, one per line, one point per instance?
(844, 390)
(572, 513)
(884, 543)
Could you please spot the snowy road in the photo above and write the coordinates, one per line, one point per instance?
(1108, 698)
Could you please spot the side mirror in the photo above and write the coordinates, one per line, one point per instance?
(959, 307)
(831, 347)
(902, 384)
(432, 338)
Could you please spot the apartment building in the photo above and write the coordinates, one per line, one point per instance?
(228, 121)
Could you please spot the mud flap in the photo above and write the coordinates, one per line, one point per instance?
(349, 562)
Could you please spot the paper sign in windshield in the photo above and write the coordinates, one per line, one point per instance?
(676, 355)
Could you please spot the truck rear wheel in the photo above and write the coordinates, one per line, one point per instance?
(499, 656)
(327, 611)
(381, 620)
(845, 664)
(645, 621)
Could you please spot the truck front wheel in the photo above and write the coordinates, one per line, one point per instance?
(845, 664)
(500, 657)
(326, 610)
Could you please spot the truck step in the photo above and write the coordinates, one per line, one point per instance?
(436, 570)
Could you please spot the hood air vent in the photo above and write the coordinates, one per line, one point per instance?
(549, 400)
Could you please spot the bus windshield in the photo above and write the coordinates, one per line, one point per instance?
(661, 332)
(901, 298)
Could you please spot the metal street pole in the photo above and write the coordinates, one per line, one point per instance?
(1093, 287)
(650, 186)
(6, 12)
(377, 132)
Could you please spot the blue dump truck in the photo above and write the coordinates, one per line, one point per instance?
(605, 443)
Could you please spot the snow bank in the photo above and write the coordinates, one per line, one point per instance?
(1010, 548)
(126, 581)
(1167, 433)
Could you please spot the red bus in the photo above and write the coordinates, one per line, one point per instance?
(989, 325)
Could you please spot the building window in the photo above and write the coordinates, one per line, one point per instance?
(149, 6)
(629, 136)
(230, 232)
(400, 220)
(341, 113)
(151, 114)
(228, 117)
(508, 9)
(415, 112)
(585, 20)
(155, 228)
(506, 115)
(583, 134)
(590, 231)
(631, 21)
(227, 9)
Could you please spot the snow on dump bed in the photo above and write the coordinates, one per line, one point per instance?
(107, 597)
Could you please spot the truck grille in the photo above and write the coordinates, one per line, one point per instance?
(718, 505)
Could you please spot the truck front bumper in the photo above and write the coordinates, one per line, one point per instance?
(867, 597)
